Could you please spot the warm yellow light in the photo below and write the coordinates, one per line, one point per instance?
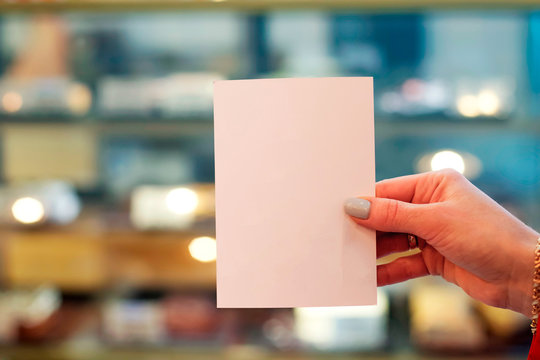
(79, 99)
(182, 201)
(12, 102)
(489, 103)
(448, 160)
(467, 105)
(28, 210)
(203, 249)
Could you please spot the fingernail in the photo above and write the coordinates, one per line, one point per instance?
(357, 207)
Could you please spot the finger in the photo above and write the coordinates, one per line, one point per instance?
(400, 188)
(392, 215)
(402, 269)
(389, 243)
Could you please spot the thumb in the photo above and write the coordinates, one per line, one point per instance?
(389, 215)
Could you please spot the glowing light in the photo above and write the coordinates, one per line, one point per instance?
(448, 159)
(12, 102)
(467, 105)
(182, 201)
(488, 103)
(79, 99)
(28, 210)
(203, 249)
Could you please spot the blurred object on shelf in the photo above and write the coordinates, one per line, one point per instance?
(28, 314)
(133, 321)
(42, 97)
(349, 328)
(191, 317)
(38, 82)
(175, 208)
(43, 152)
(502, 323)
(74, 262)
(443, 320)
(43, 52)
(177, 95)
(416, 97)
(129, 163)
(306, 54)
(463, 162)
(279, 329)
(38, 203)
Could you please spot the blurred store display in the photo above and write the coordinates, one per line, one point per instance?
(107, 235)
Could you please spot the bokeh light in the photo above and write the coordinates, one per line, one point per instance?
(467, 105)
(28, 210)
(489, 103)
(79, 99)
(203, 249)
(12, 102)
(448, 159)
(182, 201)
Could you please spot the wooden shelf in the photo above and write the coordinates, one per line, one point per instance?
(148, 128)
(257, 5)
(102, 251)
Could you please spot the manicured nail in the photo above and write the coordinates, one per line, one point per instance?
(357, 207)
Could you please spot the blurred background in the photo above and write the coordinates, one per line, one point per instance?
(107, 246)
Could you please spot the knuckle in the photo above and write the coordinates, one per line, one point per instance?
(451, 174)
(392, 211)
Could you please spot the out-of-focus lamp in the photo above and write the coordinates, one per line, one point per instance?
(203, 249)
(448, 159)
(464, 163)
(28, 210)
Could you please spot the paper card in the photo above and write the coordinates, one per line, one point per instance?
(288, 153)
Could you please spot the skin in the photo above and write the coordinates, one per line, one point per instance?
(471, 240)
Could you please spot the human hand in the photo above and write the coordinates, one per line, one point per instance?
(471, 240)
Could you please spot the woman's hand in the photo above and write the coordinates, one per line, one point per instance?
(471, 240)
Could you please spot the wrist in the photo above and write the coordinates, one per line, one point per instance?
(520, 286)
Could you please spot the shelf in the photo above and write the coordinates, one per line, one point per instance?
(371, 5)
(100, 251)
(137, 127)
(166, 128)
(239, 352)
